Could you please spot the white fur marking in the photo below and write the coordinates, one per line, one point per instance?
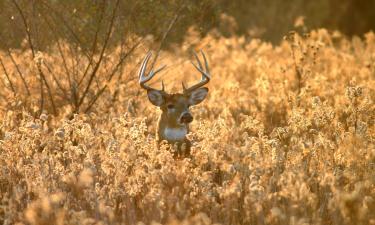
(175, 134)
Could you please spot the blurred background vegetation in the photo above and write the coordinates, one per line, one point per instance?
(73, 50)
(269, 20)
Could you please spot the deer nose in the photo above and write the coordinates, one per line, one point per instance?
(186, 118)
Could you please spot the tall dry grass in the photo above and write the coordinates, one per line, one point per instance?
(286, 136)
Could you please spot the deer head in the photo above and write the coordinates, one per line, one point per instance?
(176, 115)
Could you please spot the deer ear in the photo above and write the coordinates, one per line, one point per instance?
(197, 96)
(155, 97)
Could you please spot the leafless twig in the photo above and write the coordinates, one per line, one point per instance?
(42, 77)
(120, 62)
(8, 78)
(19, 72)
(95, 70)
(165, 35)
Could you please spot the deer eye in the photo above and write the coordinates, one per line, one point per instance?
(170, 106)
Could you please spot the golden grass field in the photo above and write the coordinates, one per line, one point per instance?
(286, 136)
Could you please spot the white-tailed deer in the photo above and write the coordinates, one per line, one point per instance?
(174, 120)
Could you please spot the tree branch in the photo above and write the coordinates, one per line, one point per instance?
(19, 72)
(93, 74)
(8, 78)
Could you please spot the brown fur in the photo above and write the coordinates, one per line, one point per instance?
(168, 120)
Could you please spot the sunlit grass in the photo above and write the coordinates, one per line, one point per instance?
(286, 136)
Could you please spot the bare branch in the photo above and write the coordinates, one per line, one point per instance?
(27, 28)
(41, 75)
(65, 94)
(70, 29)
(59, 48)
(171, 24)
(95, 70)
(7, 76)
(43, 78)
(94, 45)
(19, 72)
(120, 62)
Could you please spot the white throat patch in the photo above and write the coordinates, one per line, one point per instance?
(175, 134)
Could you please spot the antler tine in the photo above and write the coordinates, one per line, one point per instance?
(183, 86)
(204, 71)
(197, 58)
(143, 79)
(142, 69)
(205, 62)
(162, 85)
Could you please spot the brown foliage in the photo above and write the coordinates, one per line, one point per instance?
(286, 136)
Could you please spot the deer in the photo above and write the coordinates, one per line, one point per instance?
(175, 117)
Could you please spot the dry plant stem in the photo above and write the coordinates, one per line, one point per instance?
(95, 70)
(8, 78)
(95, 42)
(27, 28)
(19, 72)
(94, 45)
(291, 41)
(48, 89)
(297, 72)
(33, 23)
(122, 52)
(76, 100)
(355, 111)
(59, 49)
(122, 59)
(41, 96)
(70, 29)
(41, 76)
(75, 60)
(118, 65)
(165, 35)
(65, 94)
(121, 65)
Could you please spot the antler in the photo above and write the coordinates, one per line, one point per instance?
(205, 74)
(143, 79)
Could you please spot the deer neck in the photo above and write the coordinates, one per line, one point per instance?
(171, 131)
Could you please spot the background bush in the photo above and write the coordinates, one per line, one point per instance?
(268, 20)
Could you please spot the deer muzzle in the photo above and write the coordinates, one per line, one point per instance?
(186, 118)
